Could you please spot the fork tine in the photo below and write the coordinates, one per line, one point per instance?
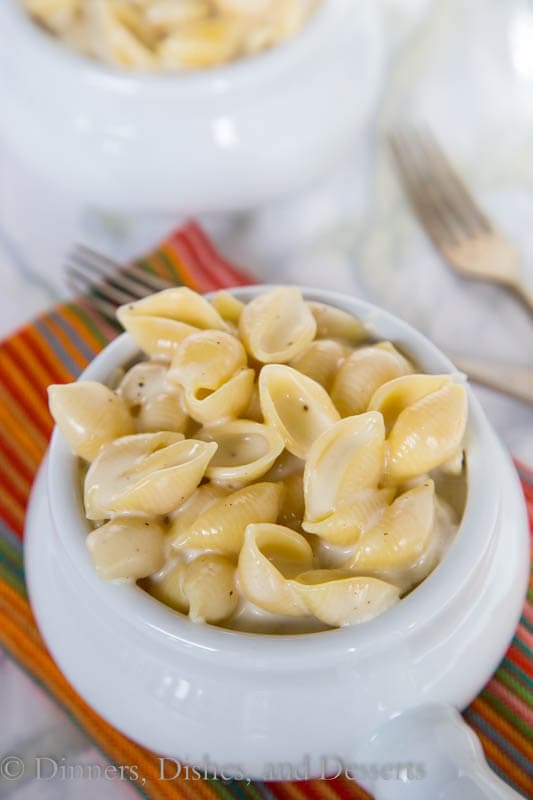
(106, 308)
(437, 202)
(152, 281)
(131, 276)
(98, 259)
(104, 288)
(109, 283)
(419, 192)
(452, 187)
(116, 284)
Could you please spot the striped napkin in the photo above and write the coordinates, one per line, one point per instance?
(54, 349)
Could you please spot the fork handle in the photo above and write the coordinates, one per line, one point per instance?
(513, 380)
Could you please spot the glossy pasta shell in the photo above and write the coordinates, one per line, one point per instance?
(246, 451)
(127, 547)
(198, 503)
(157, 405)
(200, 44)
(338, 598)
(206, 360)
(143, 381)
(400, 535)
(320, 361)
(427, 433)
(221, 527)
(270, 556)
(228, 306)
(344, 527)
(55, 15)
(160, 322)
(167, 585)
(152, 473)
(332, 323)
(156, 336)
(296, 406)
(396, 395)
(362, 373)
(347, 457)
(209, 586)
(223, 404)
(89, 415)
(112, 38)
(163, 413)
(277, 326)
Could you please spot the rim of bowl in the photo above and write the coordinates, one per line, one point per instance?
(327, 17)
(471, 542)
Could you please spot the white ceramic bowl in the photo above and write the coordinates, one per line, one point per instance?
(247, 700)
(226, 138)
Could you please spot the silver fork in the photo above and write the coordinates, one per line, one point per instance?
(469, 241)
(110, 284)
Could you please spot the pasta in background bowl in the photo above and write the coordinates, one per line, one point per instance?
(192, 503)
(171, 34)
(183, 142)
(185, 689)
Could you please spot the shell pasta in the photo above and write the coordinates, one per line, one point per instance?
(265, 466)
(171, 34)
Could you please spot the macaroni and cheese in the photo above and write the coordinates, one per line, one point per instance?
(264, 466)
(171, 34)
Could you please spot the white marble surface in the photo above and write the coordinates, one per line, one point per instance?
(467, 69)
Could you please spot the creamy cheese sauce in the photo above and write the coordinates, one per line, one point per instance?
(445, 528)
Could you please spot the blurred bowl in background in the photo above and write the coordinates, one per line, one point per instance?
(228, 138)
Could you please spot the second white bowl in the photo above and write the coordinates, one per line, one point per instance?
(228, 138)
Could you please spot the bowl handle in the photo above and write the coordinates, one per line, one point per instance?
(429, 752)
